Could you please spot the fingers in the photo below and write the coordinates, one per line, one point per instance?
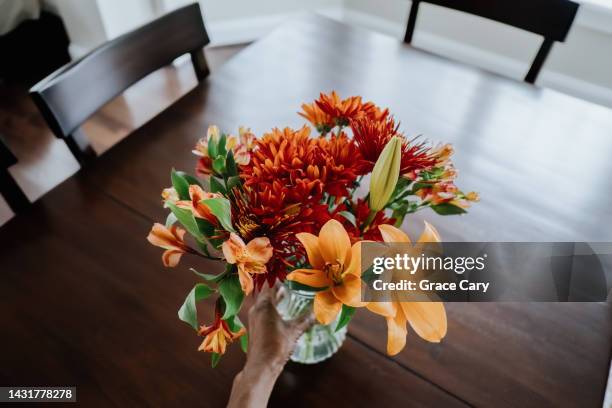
(266, 294)
(303, 322)
(281, 292)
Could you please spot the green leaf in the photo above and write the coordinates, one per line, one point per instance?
(230, 164)
(221, 150)
(235, 324)
(350, 217)
(216, 186)
(188, 312)
(222, 209)
(187, 219)
(447, 209)
(232, 182)
(209, 277)
(218, 164)
(190, 179)
(232, 295)
(244, 342)
(205, 227)
(180, 185)
(212, 147)
(418, 186)
(170, 220)
(345, 316)
(214, 359)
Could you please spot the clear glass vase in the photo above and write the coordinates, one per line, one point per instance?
(321, 341)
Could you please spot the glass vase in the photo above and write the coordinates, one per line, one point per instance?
(318, 343)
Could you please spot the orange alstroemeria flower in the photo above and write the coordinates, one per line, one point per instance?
(251, 258)
(427, 319)
(195, 205)
(218, 335)
(171, 239)
(336, 266)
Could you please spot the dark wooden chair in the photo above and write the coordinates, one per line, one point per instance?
(551, 19)
(73, 93)
(11, 192)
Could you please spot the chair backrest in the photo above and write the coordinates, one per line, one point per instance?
(551, 19)
(73, 93)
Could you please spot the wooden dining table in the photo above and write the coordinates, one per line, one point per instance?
(86, 302)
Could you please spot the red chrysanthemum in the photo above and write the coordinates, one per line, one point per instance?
(371, 136)
(342, 162)
(255, 216)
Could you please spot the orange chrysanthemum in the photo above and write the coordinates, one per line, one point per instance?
(290, 167)
(319, 119)
(281, 169)
(329, 111)
(342, 159)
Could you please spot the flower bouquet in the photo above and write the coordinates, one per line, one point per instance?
(287, 207)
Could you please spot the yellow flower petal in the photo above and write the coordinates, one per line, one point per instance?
(311, 243)
(246, 281)
(387, 309)
(430, 234)
(396, 333)
(310, 277)
(334, 243)
(349, 291)
(326, 307)
(233, 248)
(391, 234)
(427, 319)
(354, 266)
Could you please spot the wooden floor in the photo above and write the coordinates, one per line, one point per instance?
(44, 161)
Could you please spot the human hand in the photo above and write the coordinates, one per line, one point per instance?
(271, 342)
(272, 339)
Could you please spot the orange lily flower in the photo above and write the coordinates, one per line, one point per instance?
(251, 258)
(336, 266)
(427, 319)
(171, 239)
(195, 205)
(218, 335)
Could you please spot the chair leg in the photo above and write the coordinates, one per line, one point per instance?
(538, 61)
(13, 195)
(80, 148)
(414, 10)
(200, 66)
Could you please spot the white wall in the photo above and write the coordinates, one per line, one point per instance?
(121, 16)
(83, 23)
(581, 66)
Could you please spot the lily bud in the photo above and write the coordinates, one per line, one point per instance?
(385, 174)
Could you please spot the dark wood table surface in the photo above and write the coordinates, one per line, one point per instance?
(85, 301)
